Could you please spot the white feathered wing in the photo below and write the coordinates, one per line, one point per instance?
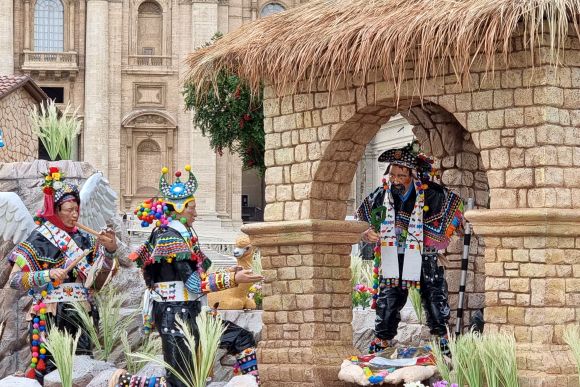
(16, 223)
(98, 202)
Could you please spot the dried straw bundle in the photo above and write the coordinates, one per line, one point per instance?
(333, 39)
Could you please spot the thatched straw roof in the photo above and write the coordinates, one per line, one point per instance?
(337, 37)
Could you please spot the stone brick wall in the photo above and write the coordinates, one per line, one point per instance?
(522, 122)
(20, 143)
(461, 170)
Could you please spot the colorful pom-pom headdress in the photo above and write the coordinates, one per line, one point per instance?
(178, 194)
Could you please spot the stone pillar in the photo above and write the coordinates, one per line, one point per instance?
(71, 26)
(27, 24)
(7, 37)
(115, 92)
(204, 22)
(96, 141)
(532, 285)
(307, 299)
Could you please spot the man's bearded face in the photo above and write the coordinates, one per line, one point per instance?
(400, 178)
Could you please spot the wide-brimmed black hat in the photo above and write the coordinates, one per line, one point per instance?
(400, 156)
(409, 156)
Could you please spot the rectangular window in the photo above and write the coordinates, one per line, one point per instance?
(54, 93)
(148, 51)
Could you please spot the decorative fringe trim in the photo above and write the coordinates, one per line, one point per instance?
(168, 249)
(396, 282)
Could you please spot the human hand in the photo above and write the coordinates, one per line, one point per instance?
(108, 239)
(370, 236)
(246, 276)
(58, 274)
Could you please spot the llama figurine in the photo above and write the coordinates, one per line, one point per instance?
(237, 298)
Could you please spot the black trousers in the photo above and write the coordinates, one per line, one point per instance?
(175, 351)
(434, 295)
(66, 319)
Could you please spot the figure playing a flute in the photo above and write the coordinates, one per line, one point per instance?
(57, 265)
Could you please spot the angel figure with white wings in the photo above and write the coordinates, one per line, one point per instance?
(57, 263)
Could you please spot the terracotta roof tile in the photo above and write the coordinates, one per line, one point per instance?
(9, 83)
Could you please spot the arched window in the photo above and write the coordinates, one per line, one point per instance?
(49, 26)
(271, 8)
(149, 29)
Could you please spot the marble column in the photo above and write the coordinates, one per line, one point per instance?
(6, 37)
(96, 141)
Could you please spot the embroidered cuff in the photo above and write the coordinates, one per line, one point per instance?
(28, 280)
(193, 283)
(218, 281)
(36, 279)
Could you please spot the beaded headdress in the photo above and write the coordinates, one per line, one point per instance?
(56, 191)
(410, 157)
(178, 194)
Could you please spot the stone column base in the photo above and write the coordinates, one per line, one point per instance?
(314, 366)
(531, 288)
(546, 365)
(307, 300)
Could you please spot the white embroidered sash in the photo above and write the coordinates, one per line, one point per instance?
(67, 292)
(411, 274)
(170, 291)
(66, 244)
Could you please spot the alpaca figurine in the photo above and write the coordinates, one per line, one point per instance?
(237, 298)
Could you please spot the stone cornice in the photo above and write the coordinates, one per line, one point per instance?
(309, 231)
(562, 222)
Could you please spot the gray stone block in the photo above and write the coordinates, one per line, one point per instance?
(85, 370)
(13, 381)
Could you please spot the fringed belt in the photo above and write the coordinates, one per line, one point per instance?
(67, 292)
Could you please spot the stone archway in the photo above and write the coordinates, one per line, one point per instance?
(313, 142)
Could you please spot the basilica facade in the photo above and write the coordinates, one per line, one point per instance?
(122, 63)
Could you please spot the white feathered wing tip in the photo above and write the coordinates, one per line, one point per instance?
(16, 223)
(98, 202)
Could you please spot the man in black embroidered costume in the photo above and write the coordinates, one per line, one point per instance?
(412, 219)
(41, 266)
(175, 272)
